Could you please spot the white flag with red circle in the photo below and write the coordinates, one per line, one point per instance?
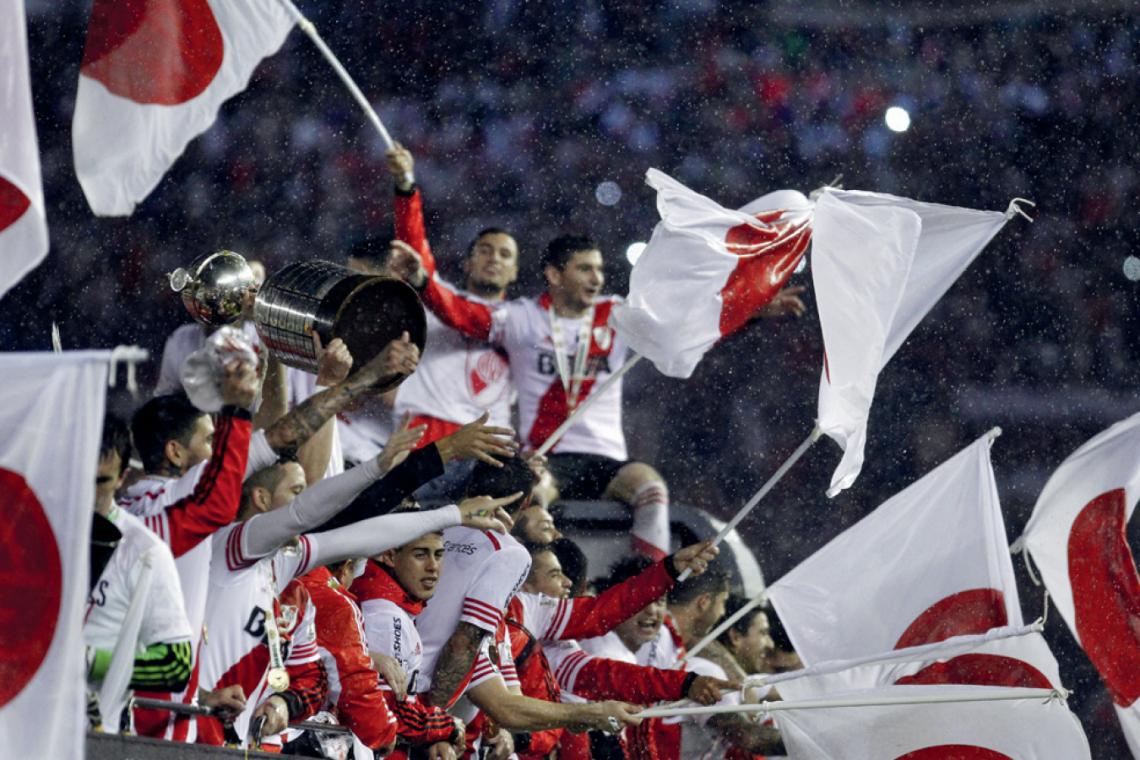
(1077, 536)
(51, 418)
(879, 264)
(1022, 729)
(154, 74)
(23, 223)
(930, 563)
(707, 271)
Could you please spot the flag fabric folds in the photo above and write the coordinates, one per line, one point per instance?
(23, 222)
(51, 417)
(1023, 729)
(154, 74)
(929, 563)
(1077, 538)
(707, 270)
(879, 264)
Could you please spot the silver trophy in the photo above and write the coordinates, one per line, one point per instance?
(215, 288)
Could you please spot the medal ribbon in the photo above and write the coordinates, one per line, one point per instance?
(571, 383)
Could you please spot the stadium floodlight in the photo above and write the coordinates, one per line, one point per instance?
(608, 193)
(1131, 268)
(634, 251)
(897, 119)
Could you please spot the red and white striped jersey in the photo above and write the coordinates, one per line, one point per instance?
(243, 592)
(522, 327)
(482, 570)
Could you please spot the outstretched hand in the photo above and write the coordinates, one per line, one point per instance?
(400, 444)
(786, 303)
(485, 513)
(696, 557)
(706, 690)
(334, 361)
(478, 440)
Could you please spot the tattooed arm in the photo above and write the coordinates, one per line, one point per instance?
(287, 434)
(455, 663)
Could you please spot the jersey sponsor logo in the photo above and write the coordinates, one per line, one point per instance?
(594, 365)
(397, 637)
(466, 549)
(255, 625)
(98, 595)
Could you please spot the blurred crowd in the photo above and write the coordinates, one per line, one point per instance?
(519, 113)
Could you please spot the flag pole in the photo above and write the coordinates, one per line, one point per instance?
(311, 32)
(560, 431)
(1005, 694)
(755, 602)
(764, 489)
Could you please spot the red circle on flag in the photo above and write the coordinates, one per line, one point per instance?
(973, 611)
(954, 752)
(32, 578)
(161, 52)
(13, 204)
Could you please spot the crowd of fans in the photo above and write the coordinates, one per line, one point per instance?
(518, 112)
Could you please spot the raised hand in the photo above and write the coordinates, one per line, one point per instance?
(696, 557)
(787, 302)
(399, 445)
(478, 440)
(401, 165)
(399, 357)
(333, 361)
(404, 262)
(239, 383)
(485, 513)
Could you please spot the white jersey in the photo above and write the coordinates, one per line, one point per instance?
(164, 620)
(242, 594)
(699, 742)
(482, 570)
(390, 630)
(523, 328)
(364, 431)
(458, 379)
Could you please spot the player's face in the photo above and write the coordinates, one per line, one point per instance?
(107, 481)
(493, 263)
(417, 565)
(754, 646)
(580, 281)
(713, 612)
(197, 449)
(546, 576)
(537, 526)
(290, 486)
(642, 627)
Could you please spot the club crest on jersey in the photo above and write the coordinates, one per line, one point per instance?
(287, 618)
(603, 337)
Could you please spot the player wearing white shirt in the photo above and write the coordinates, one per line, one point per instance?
(163, 636)
(561, 347)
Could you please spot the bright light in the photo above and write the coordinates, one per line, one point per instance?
(634, 251)
(1131, 268)
(608, 193)
(898, 120)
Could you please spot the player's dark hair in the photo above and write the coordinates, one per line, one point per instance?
(515, 475)
(714, 580)
(267, 477)
(116, 440)
(741, 626)
(622, 570)
(479, 236)
(573, 561)
(777, 631)
(162, 419)
(374, 250)
(559, 250)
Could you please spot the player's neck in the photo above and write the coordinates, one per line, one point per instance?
(683, 622)
(486, 290)
(564, 308)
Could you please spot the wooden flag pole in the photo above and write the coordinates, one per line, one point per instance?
(764, 489)
(560, 431)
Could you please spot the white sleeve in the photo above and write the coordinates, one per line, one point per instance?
(266, 532)
(484, 669)
(544, 616)
(377, 534)
(261, 454)
(505, 322)
(491, 589)
(164, 620)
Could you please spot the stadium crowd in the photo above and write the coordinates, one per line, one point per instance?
(513, 121)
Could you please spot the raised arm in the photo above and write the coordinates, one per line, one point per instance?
(408, 206)
(469, 317)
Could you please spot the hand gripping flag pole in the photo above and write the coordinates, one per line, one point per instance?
(764, 489)
(311, 32)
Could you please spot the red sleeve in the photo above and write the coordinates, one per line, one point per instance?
(214, 502)
(308, 687)
(600, 679)
(411, 229)
(592, 616)
(468, 317)
(417, 723)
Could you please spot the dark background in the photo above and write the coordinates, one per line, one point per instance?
(516, 111)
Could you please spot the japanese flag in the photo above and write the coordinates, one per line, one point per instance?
(1078, 538)
(1022, 729)
(51, 417)
(23, 225)
(154, 74)
(1007, 656)
(879, 263)
(929, 563)
(707, 271)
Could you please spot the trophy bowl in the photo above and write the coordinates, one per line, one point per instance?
(364, 311)
(215, 287)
